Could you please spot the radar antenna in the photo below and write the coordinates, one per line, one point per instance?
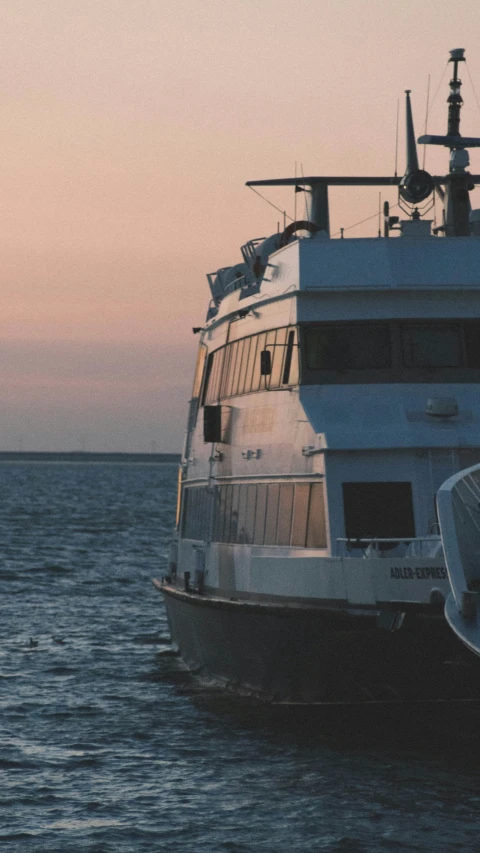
(458, 182)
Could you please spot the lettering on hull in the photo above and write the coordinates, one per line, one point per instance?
(421, 573)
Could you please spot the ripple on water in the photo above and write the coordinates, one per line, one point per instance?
(110, 745)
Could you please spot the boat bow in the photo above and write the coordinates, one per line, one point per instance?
(458, 503)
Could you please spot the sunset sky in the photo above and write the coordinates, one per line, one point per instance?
(128, 129)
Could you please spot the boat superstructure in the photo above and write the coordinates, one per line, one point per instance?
(336, 389)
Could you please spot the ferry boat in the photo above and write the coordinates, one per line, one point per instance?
(336, 389)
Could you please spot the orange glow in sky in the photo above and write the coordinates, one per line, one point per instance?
(127, 132)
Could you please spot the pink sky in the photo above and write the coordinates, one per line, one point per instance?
(128, 130)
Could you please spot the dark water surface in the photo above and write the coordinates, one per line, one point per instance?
(108, 745)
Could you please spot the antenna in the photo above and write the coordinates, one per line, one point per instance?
(454, 140)
(426, 119)
(396, 138)
(458, 182)
(455, 100)
(416, 184)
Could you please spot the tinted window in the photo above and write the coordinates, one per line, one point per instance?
(242, 514)
(290, 362)
(316, 530)
(229, 368)
(228, 512)
(220, 519)
(378, 510)
(258, 381)
(235, 368)
(432, 346)
(272, 514)
(250, 513)
(261, 507)
(285, 514)
(347, 347)
(300, 515)
(250, 364)
(232, 536)
(211, 392)
(197, 380)
(472, 344)
(278, 355)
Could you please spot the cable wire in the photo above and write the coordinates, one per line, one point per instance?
(272, 204)
(473, 87)
(438, 87)
(349, 227)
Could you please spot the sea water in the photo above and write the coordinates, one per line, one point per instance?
(108, 745)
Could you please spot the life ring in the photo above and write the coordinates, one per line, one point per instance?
(300, 225)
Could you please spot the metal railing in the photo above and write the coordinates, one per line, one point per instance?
(374, 546)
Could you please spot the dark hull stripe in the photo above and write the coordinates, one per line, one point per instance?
(296, 653)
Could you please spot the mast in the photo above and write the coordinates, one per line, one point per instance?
(416, 184)
(458, 182)
(455, 100)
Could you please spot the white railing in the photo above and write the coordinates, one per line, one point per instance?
(458, 502)
(418, 546)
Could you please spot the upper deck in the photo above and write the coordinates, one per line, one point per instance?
(328, 279)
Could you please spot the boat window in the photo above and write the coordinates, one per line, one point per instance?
(208, 382)
(211, 387)
(251, 511)
(259, 532)
(263, 514)
(290, 370)
(472, 344)
(250, 364)
(432, 345)
(229, 369)
(316, 528)
(300, 514)
(243, 384)
(197, 380)
(186, 511)
(278, 357)
(197, 385)
(196, 513)
(232, 537)
(258, 381)
(242, 514)
(378, 511)
(179, 496)
(272, 515)
(238, 364)
(285, 514)
(332, 347)
(394, 351)
(228, 512)
(220, 518)
(235, 368)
